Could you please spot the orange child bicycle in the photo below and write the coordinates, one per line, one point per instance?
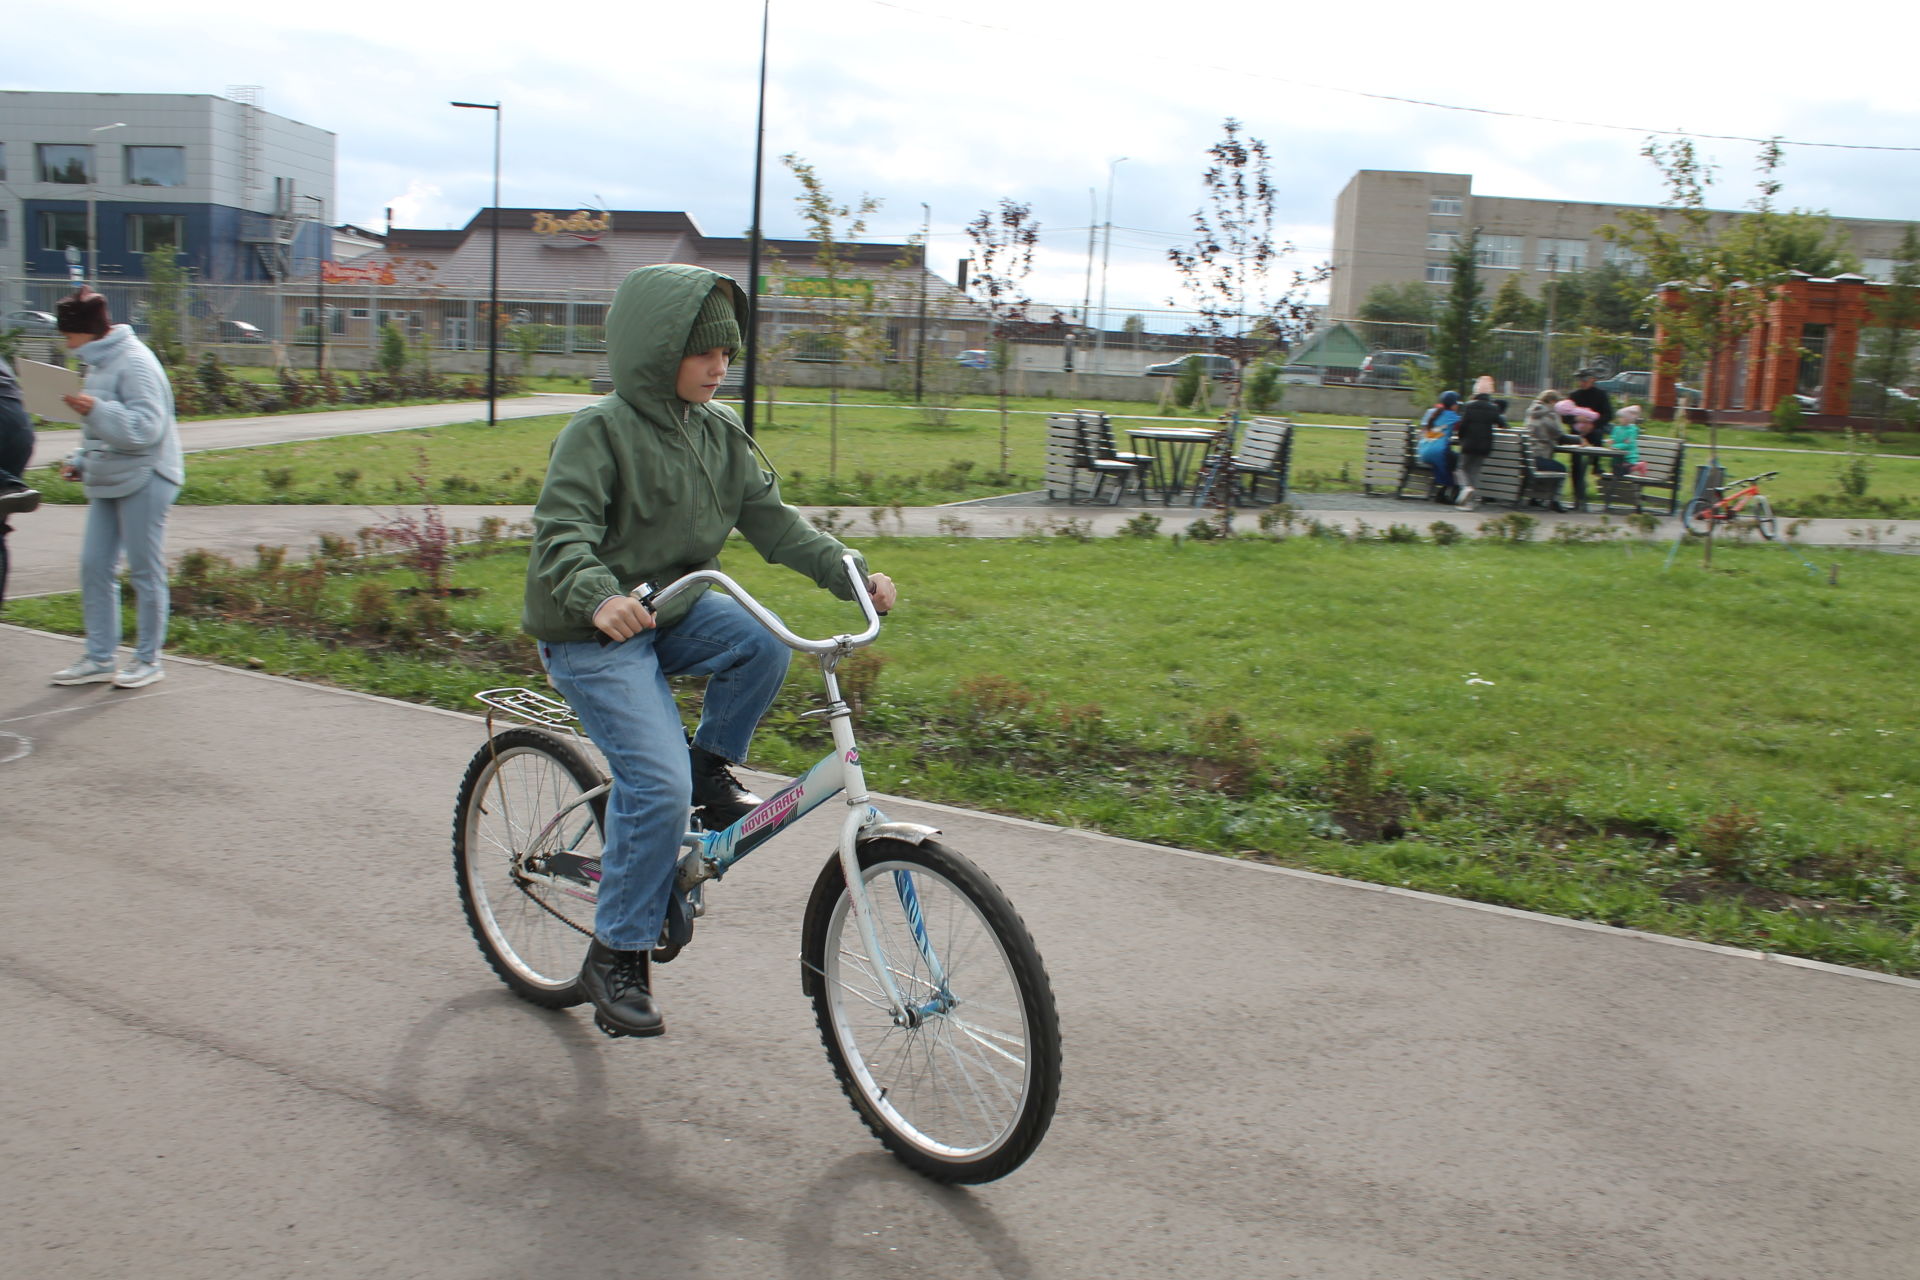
(1720, 505)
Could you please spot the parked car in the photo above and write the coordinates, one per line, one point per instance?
(1392, 368)
(1214, 366)
(974, 360)
(240, 331)
(1302, 375)
(39, 324)
(1631, 384)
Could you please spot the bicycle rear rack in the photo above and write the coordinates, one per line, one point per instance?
(531, 706)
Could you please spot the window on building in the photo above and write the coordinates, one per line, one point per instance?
(3, 162)
(157, 166)
(1561, 255)
(1441, 241)
(1445, 206)
(62, 231)
(1501, 251)
(152, 232)
(4, 238)
(61, 162)
(1437, 274)
(361, 313)
(336, 319)
(1618, 255)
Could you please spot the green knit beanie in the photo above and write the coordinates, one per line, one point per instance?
(716, 325)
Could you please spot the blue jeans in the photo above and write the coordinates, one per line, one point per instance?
(136, 525)
(621, 695)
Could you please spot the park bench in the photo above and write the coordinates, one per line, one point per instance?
(1265, 453)
(1390, 445)
(732, 385)
(1664, 457)
(1072, 453)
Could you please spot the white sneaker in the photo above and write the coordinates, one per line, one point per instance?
(1466, 499)
(85, 671)
(137, 673)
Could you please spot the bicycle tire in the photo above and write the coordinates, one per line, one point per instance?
(529, 922)
(1763, 518)
(920, 1089)
(1694, 518)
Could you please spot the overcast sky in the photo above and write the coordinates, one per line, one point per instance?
(644, 105)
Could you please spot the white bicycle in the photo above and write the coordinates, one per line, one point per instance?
(931, 998)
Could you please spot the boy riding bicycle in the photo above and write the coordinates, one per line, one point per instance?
(644, 486)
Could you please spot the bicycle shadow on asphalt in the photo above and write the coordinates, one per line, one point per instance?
(823, 1237)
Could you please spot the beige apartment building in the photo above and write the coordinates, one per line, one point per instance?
(1394, 226)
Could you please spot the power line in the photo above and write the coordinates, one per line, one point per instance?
(1427, 102)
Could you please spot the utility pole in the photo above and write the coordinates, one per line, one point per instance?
(1106, 252)
(493, 278)
(320, 277)
(93, 186)
(748, 380)
(920, 346)
(1546, 336)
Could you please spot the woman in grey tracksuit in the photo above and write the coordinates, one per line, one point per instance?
(129, 460)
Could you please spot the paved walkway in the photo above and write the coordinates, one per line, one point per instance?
(283, 428)
(46, 543)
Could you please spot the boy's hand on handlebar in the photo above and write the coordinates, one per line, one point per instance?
(881, 588)
(623, 617)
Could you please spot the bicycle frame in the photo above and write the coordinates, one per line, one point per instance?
(711, 853)
(1733, 498)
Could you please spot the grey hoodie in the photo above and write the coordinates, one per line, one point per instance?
(130, 435)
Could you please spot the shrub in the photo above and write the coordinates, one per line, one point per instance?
(1788, 416)
(1144, 525)
(1854, 473)
(1444, 534)
(1264, 391)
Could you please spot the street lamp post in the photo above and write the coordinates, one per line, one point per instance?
(493, 280)
(93, 229)
(320, 278)
(920, 342)
(1106, 252)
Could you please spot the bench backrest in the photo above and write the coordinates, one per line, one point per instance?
(1664, 457)
(1063, 454)
(1390, 444)
(1265, 443)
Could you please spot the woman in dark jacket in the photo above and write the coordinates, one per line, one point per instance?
(16, 449)
(1480, 417)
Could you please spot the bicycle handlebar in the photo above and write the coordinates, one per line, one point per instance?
(653, 598)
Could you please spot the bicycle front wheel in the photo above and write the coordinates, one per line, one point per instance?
(966, 1090)
(1763, 518)
(1694, 518)
(528, 883)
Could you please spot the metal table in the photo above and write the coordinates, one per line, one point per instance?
(1172, 450)
(1581, 455)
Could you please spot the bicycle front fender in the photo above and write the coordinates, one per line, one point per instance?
(907, 832)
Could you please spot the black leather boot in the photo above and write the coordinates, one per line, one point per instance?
(617, 983)
(17, 499)
(718, 795)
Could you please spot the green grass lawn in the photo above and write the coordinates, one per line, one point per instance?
(866, 456)
(1728, 755)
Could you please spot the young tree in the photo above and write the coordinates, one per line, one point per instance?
(1723, 280)
(1465, 325)
(1003, 244)
(849, 332)
(1248, 304)
(166, 297)
(1514, 309)
(1890, 345)
(1408, 302)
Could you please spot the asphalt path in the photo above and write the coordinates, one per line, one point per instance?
(52, 444)
(262, 1044)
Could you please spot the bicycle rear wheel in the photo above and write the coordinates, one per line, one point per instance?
(967, 1091)
(1694, 518)
(528, 891)
(1763, 518)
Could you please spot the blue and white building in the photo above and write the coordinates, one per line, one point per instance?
(239, 194)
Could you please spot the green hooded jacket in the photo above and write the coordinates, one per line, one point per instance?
(643, 486)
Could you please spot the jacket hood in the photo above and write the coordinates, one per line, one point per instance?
(647, 328)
